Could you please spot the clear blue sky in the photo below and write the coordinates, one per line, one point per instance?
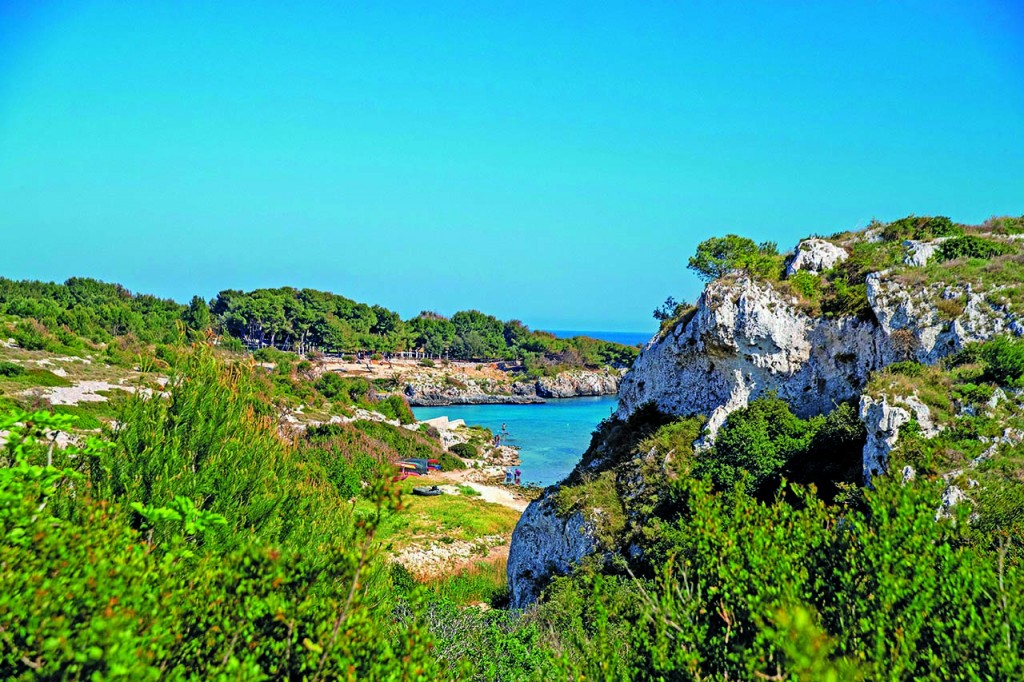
(551, 162)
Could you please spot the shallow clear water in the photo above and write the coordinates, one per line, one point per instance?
(551, 437)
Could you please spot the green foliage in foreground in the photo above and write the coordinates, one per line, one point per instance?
(195, 545)
(745, 590)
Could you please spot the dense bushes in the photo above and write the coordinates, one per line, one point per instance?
(197, 545)
(760, 443)
(10, 369)
(970, 246)
(450, 462)
(798, 591)
(921, 228)
(1004, 357)
(465, 450)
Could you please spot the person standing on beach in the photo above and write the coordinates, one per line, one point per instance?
(519, 475)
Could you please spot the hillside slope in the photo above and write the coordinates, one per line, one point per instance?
(773, 347)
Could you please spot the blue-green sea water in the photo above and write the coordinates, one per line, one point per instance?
(551, 436)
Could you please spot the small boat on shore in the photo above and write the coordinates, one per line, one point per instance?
(427, 492)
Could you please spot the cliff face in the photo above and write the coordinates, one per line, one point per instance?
(423, 389)
(746, 337)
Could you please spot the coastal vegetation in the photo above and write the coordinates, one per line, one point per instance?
(756, 551)
(178, 529)
(85, 313)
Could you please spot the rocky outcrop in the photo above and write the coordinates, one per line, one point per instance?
(815, 256)
(578, 383)
(423, 389)
(883, 421)
(744, 339)
(917, 325)
(920, 252)
(545, 545)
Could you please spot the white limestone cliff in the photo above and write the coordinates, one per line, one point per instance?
(545, 544)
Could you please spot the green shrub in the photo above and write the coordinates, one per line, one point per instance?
(907, 368)
(450, 462)
(395, 407)
(10, 369)
(271, 354)
(920, 228)
(841, 299)
(970, 246)
(759, 439)
(1005, 359)
(230, 343)
(426, 362)
(973, 394)
(805, 283)
(1007, 225)
(465, 450)
(764, 441)
(346, 390)
(32, 335)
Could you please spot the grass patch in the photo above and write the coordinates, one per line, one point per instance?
(483, 581)
(597, 498)
(89, 415)
(32, 378)
(458, 517)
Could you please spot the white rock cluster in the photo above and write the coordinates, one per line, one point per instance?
(745, 339)
(883, 421)
(816, 256)
(919, 252)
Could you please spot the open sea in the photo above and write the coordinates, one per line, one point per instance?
(551, 437)
(626, 338)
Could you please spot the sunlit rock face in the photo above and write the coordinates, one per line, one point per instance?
(545, 545)
(744, 339)
(816, 256)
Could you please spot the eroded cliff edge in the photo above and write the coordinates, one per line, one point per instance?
(889, 301)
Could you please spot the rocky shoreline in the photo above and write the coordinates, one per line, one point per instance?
(431, 390)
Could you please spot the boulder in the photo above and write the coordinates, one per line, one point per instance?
(815, 256)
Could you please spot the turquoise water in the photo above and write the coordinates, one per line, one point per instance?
(551, 437)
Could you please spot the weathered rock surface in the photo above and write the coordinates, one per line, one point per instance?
(545, 545)
(578, 383)
(744, 339)
(928, 334)
(919, 252)
(883, 421)
(435, 390)
(815, 256)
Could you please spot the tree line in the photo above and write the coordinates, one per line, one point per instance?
(300, 320)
